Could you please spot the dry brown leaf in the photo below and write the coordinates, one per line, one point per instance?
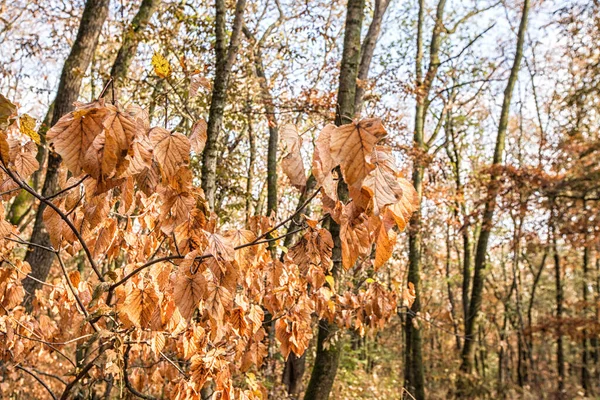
(171, 150)
(74, 133)
(386, 239)
(140, 304)
(23, 158)
(408, 203)
(354, 234)
(351, 147)
(381, 183)
(106, 157)
(292, 163)
(323, 164)
(198, 136)
(188, 291)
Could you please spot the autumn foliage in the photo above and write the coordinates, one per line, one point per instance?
(145, 275)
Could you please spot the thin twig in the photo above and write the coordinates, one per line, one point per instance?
(62, 216)
(83, 310)
(128, 384)
(255, 242)
(68, 188)
(37, 378)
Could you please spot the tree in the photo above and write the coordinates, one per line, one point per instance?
(92, 19)
(225, 57)
(490, 205)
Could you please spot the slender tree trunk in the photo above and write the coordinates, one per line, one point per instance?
(560, 356)
(131, 38)
(413, 367)
(586, 355)
(251, 158)
(94, 15)
(449, 287)
(327, 359)
(367, 51)
(225, 57)
(490, 206)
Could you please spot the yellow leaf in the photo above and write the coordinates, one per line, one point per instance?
(331, 281)
(27, 127)
(161, 65)
(370, 280)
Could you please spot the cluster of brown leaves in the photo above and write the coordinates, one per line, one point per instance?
(169, 289)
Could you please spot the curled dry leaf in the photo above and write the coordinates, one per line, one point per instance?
(406, 205)
(292, 163)
(198, 136)
(351, 147)
(381, 183)
(323, 163)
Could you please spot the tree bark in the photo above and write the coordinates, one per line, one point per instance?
(414, 382)
(94, 15)
(327, 358)
(131, 38)
(586, 355)
(225, 57)
(560, 353)
(490, 206)
(368, 49)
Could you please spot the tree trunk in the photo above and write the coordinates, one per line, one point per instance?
(251, 158)
(131, 38)
(585, 356)
(292, 374)
(225, 57)
(490, 206)
(94, 15)
(327, 359)
(560, 355)
(367, 50)
(413, 367)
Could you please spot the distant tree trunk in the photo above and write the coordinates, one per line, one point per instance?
(251, 158)
(94, 15)
(131, 38)
(586, 355)
(225, 57)
(490, 206)
(367, 51)
(414, 381)
(449, 287)
(269, 106)
(560, 356)
(327, 359)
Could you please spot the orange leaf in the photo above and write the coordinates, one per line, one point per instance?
(351, 146)
(171, 150)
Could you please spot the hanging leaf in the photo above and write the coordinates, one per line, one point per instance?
(198, 136)
(161, 65)
(351, 147)
(140, 304)
(27, 127)
(74, 133)
(171, 150)
(7, 110)
(381, 183)
(292, 163)
(188, 290)
(408, 203)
